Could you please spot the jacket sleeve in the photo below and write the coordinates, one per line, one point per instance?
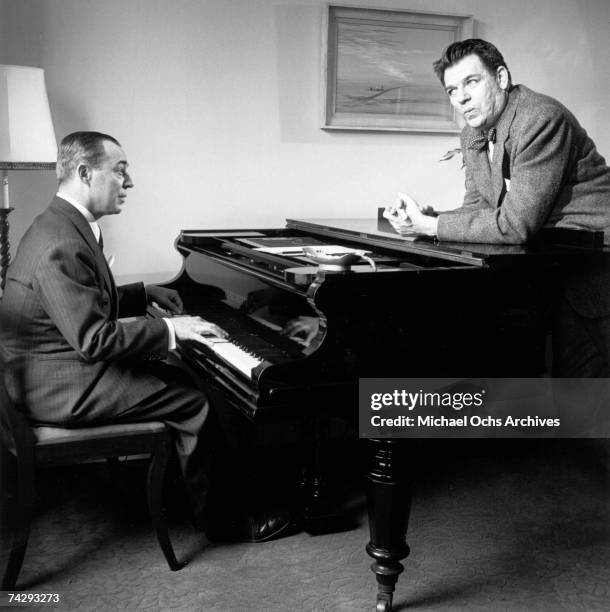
(71, 290)
(473, 198)
(540, 165)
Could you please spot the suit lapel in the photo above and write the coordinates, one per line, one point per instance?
(497, 179)
(501, 159)
(483, 172)
(84, 229)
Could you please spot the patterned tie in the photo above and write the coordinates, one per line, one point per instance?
(480, 141)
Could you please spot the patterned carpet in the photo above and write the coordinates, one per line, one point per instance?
(508, 525)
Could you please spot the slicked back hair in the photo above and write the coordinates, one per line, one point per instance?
(490, 57)
(81, 148)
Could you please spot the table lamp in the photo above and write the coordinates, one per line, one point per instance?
(27, 137)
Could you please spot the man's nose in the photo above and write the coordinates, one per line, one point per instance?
(127, 183)
(462, 96)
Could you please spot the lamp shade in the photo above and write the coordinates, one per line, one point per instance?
(27, 137)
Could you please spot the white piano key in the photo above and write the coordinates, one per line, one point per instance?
(235, 355)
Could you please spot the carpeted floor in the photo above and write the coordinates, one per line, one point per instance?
(504, 525)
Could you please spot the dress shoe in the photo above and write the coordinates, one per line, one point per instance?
(260, 526)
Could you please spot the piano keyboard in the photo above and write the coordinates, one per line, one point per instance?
(251, 341)
(242, 360)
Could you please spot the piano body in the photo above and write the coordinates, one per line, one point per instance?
(427, 310)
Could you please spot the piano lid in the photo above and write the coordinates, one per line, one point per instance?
(556, 243)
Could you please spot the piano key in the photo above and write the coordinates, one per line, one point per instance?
(250, 333)
(244, 361)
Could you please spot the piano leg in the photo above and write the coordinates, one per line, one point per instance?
(388, 493)
(320, 511)
(311, 477)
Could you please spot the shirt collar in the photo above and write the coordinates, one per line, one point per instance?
(95, 228)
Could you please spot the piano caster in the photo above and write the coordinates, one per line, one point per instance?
(384, 602)
(387, 575)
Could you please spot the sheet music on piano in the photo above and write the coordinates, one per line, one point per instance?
(290, 242)
(327, 249)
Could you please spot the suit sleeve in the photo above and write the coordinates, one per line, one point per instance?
(70, 289)
(540, 166)
(473, 199)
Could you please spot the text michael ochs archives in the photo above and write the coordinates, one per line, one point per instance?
(457, 401)
(544, 407)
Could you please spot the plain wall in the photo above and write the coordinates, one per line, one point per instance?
(216, 103)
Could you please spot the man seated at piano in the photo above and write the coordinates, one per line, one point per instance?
(69, 358)
(529, 164)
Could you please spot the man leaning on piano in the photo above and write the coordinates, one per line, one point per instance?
(529, 164)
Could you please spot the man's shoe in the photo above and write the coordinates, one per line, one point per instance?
(255, 527)
(265, 526)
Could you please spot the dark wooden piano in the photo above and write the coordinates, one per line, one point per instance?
(426, 310)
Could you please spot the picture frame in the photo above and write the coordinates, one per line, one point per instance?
(377, 69)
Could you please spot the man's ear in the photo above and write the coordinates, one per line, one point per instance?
(84, 173)
(502, 77)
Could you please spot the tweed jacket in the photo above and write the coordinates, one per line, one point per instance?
(68, 359)
(545, 172)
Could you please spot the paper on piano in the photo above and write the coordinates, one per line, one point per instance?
(281, 250)
(328, 249)
(293, 242)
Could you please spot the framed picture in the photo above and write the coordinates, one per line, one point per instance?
(377, 69)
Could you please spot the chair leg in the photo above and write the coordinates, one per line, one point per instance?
(156, 476)
(20, 516)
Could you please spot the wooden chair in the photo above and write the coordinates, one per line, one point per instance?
(34, 445)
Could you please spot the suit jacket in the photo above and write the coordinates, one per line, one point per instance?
(69, 360)
(556, 178)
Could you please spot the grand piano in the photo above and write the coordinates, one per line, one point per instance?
(413, 308)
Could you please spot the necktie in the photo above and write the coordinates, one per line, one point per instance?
(101, 241)
(480, 141)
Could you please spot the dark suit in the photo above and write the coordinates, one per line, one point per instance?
(70, 361)
(557, 179)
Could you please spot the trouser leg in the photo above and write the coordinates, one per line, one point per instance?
(186, 411)
(581, 345)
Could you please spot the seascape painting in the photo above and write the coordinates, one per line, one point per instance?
(379, 69)
(387, 69)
